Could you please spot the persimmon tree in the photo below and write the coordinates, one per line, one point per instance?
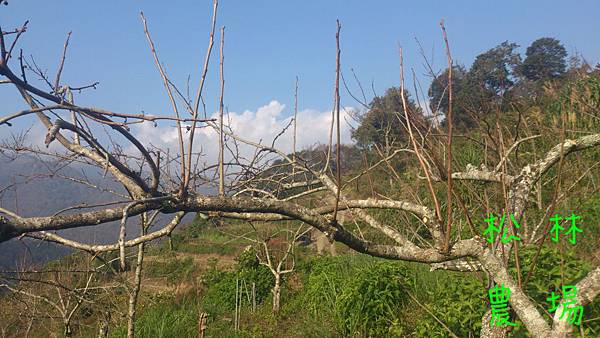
(441, 232)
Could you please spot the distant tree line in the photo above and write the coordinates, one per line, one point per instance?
(497, 80)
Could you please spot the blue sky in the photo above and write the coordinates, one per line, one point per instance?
(268, 43)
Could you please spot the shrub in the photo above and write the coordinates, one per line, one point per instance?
(363, 296)
(221, 285)
(371, 302)
(458, 300)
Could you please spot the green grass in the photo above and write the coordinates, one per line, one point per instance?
(174, 269)
(165, 320)
(202, 238)
(203, 248)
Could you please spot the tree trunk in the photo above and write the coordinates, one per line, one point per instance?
(276, 293)
(202, 324)
(68, 332)
(491, 331)
(133, 297)
(103, 330)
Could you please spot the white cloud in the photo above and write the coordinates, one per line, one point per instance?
(262, 125)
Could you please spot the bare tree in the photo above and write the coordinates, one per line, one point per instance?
(56, 294)
(277, 253)
(264, 188)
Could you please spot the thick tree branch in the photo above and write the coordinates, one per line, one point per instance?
(520, 302)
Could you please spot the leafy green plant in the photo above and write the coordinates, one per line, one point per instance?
(364, 296)
(553, 270)
(370, 303)
(221, 285)
(458, 300)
